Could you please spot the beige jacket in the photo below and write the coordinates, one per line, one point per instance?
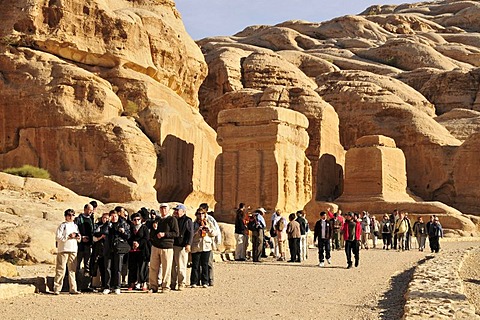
(203, 243)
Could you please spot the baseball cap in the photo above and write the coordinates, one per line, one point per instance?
(180, 206)
(164, 205)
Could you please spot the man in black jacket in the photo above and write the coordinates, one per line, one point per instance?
(85, 225)
(162, 234)
(323, 232)
(181, 247)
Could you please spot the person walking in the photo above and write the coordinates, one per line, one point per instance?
(420, 232)
(387, 228)
(401, 227)
(323, 232)
(352, 232)
(435, 232)
(68, 237)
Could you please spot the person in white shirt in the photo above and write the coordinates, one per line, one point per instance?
(68, 238)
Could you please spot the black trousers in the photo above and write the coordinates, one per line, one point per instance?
(434, 243)
(352, 247)
(137, 268)
(199, 273)
(387, 239)
(257, 243)
(113, 269)
(294, 246)
(323, 246)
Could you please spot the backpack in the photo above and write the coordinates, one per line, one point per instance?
(280, 225)
(385, 229)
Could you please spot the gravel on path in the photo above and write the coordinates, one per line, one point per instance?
(243, 290)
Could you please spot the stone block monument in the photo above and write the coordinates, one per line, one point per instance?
(263, 162)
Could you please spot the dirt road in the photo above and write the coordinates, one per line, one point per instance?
(268, 290)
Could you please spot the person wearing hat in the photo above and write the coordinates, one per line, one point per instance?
(181, 247)
(256, 225)
(435, 232)
(163, 232)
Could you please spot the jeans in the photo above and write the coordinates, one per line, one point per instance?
(199, 273)
(352, 246)
(113, 271)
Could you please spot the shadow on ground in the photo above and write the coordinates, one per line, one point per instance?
(393, 303)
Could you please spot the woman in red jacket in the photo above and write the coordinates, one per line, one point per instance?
(352, 231)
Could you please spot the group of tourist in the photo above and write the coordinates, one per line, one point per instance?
(151, 247)
(351, 231)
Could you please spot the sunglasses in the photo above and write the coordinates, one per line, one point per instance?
(71, 214)
(137, 219)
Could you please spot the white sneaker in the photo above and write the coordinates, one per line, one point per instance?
(329, 261)
(117, 291)
(106, 291)
(321, 264)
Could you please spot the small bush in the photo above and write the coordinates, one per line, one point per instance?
(29, 171)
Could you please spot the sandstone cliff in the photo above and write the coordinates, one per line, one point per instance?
(391, 70)
(103, 94)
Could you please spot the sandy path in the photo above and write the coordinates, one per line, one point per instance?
(245, 290)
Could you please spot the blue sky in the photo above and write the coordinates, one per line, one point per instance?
(205, 18)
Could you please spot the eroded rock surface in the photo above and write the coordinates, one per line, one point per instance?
(72, 72)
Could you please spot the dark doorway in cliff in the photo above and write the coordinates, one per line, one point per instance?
(329, 178)
(174, 170)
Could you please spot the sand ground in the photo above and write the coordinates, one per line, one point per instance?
(243, 290)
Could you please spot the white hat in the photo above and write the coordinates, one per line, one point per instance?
(262, 210)
(164, 205)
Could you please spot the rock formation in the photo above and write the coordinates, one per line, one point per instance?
(88, 66)
(388, 71)
(30, 211)
(376, 181)
(263, 160)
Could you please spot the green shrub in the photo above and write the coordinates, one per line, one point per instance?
(29, 171)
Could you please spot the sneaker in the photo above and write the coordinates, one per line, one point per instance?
(165, 290)
(321, 264)
(193, 286)
(329, 261)
(106, 291)
(75, 292)
(205, 286)
(153, 290)
(56, 293)
(117, 291)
